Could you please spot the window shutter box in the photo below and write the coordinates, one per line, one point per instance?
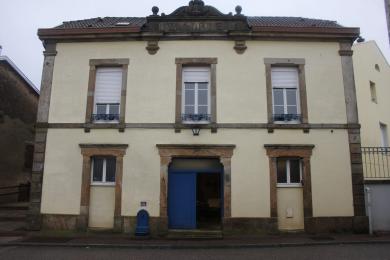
(284, 77)
(196, 74)
(108, 85)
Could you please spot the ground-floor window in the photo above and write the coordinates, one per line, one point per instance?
(103, 170)
(289, 172)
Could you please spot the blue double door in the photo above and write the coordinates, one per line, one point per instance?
(182, 200)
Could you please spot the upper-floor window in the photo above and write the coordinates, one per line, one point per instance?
(107, 96)
(285, 95)
(373, 92)
(196, 95)
(196, 88)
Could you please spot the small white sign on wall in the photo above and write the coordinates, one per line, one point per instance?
(289, 213)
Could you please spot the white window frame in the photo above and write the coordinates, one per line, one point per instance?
(196, 90)
(103, 182)
(284, 89)
(288, 177)
(107, 112)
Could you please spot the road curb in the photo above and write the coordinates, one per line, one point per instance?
(172, 246)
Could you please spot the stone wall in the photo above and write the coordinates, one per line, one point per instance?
(18, 106)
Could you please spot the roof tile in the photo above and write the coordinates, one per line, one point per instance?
(258, 21)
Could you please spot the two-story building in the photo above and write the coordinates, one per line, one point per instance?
(205, 120)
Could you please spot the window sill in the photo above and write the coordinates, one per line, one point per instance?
(285, 125)
(103, 184)
(105, 122)
(104, 125)
(289, 185)
(292, 122)
(198, 124)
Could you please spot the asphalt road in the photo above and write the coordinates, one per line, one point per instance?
(333, 252)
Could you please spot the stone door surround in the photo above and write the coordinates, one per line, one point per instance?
(303, 151)
(223, 152)
(89, 150)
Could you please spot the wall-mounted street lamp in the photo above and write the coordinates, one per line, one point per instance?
(195, 130)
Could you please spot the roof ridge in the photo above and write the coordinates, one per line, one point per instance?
(20, 72)
(259, 21)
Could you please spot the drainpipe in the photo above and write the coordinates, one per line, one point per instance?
(369, 214)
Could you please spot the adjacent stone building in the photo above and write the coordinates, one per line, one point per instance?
(205, 120)
(18, 110)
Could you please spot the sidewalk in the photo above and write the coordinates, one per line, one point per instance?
(123, 241)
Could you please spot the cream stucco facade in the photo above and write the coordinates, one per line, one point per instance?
(242, 136)
(367, 56)
(241, 83)
(241, 99)
(331, 179)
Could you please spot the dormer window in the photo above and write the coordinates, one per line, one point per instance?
(196, 95)
(107, 94)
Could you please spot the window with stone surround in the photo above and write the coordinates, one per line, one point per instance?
(286, 91)
(107, 96)
(106, 100)
(285, 95)
(196, 95)
(195, 91)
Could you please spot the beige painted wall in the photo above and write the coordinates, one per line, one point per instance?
(101, 207)
(241, 84)
(290, 199)
(366, 55)
(331, 173)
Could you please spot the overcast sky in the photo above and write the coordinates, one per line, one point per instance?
(20, 19)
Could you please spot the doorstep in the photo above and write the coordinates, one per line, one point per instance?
(194, 234)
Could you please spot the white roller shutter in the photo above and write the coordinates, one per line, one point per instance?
(196, 74)
(108, 85)
(284, 77)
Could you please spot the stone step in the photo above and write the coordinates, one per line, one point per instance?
(194, 234)
(14, 206)
(13, 215)
(12, 228)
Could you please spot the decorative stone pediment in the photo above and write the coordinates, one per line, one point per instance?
(196, 8)
(196, 18)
